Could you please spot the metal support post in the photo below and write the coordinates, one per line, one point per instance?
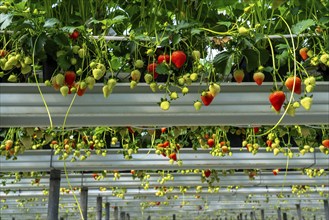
(285, 216)
(252, 217)
(128, 216)
(262, 214)
(174, 217)
(99, 208)
(279, 214)
(116, 213)
(84, 202)
(246, 217)
(107, 211)
(326, 209)
(53, 198)
(299, 212)
(149, 218)
(122, 216)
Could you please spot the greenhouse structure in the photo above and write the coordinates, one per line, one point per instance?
(164, 109)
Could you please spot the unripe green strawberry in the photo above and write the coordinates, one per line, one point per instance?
(60, 53)
(309, 88)
(64, 90)
(197, 105)
(73, 89)
(133, 84)
(296, 105)
(12, 78)
(139, 64)
(150, 52)
(82, 53)
(90, 82)
(153, 86)
(165, 105)
(314, 61)
(27, 60)
(98, 74)
(185, 90)
(7, 66)
(181, 81)
(106, 91)
(194, 77)
(135, 75)
(196, 55)
(111, 83)
(214, 89)
(75, 49)
(148, 78)
(93, 65)
(309, 81)
(73, 61)
(324, 58)
(26, 69)
(101, 67)
(243, 31)
(306, 102)
(83, 85)
(291, 110)
(276, 151)
(79, 72)
(173, 95)
(59, 79)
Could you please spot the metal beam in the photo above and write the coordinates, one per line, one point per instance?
(279, 214)
(299, 212)
(116, 213)
(21, 106)
(200, 159)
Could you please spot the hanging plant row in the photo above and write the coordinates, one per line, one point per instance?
(168, 141)
(172, 51)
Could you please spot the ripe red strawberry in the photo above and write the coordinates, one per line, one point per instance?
(298, 84)
(275, 172)
(211, 142)
(151, 69)
(166, 144)
(178, 58)
(277, 99)
(163, 130)
(70, 77)
(256, 130)
(325, 143)
(80, 91)
(259, 78)
(207, 173)
(238, 75)
(303, 53)
(173, 156)
(74, 35)
(163, 58)
(207, 98)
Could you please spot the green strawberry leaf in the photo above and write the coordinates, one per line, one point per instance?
(51, 22)
(6, 20)
(223, 62)
(162, 69)
(302, 26)
(64, 62)
(252, 58)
